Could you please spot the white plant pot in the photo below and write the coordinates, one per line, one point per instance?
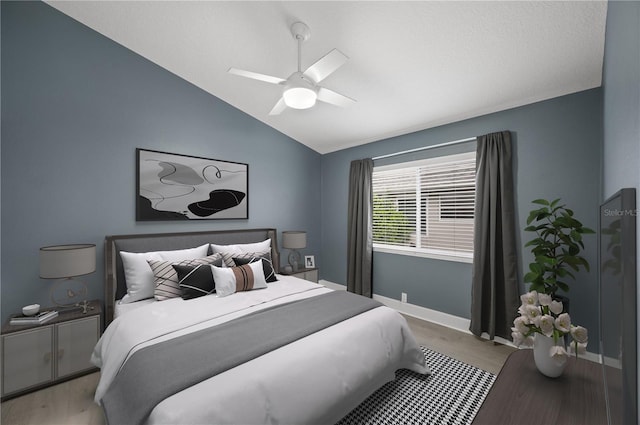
(547, 365)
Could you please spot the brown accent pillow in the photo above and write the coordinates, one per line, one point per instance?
(244, 278)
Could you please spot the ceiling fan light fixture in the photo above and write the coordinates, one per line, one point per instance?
(301, 89)
(299, 97)
(299, 93)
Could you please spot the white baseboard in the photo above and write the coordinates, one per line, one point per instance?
(423, 313)
(331, 285)
(454, 322)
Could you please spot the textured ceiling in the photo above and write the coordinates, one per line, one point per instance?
(412, 65)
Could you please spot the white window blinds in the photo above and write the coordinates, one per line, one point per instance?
(426, 207)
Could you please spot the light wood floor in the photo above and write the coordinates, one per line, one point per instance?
(68, 403)
(71, 402)
(465, 347)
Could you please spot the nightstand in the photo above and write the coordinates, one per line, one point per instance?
(306, 274)
(36, 356)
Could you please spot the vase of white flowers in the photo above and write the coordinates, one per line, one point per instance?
(542, 316)
(551, 365)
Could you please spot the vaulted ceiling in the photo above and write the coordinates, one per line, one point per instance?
(412, 65)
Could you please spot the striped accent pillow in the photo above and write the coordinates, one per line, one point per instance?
(165, 277)
(229, 280)
(228, 256)
(244, 278)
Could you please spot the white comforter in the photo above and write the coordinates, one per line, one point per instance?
(317, 379)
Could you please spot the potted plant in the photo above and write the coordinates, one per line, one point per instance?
(543, 312)
(556, 247)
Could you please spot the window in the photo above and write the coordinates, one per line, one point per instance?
(426, 207)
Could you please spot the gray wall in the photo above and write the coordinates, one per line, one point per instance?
(75, 105)
(557, 145)
(621, 85)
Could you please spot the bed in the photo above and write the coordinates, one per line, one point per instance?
(226, 359)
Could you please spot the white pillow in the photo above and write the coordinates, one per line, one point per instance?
(138, 275)
(185, 254)
(229, 281)
(243, 247)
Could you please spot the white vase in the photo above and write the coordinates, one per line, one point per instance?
(546, 364)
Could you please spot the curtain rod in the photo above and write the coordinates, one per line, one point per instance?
(455, 142)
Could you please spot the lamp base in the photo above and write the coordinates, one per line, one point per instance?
(294, 259)
(68, 292)
(85, 306)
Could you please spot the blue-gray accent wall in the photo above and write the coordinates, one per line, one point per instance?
(557, 145)
(75, 105)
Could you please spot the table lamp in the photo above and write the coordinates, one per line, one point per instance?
(66, 262)
(294, 240)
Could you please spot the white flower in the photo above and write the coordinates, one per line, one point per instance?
(532, 312)
(530, 298)
(563, 323)
(545, 299)
(579, 334)
(520, 324)
(545, 323)
(517, 337)
(556, 307)
(558, 353)
(522, 311)
(577, 348)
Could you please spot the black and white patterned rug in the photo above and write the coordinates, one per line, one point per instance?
(452, 394)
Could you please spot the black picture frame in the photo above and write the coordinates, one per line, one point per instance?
(172, 186)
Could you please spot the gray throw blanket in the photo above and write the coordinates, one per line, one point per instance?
(155, 373)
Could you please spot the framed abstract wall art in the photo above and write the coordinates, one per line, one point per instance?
(179, 187)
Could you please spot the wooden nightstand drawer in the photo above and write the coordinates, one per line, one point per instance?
(27, 359)
(34, 356)
(76, 340)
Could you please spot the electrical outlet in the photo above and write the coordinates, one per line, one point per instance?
(403, 297)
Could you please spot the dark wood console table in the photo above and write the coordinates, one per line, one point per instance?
(522, 395)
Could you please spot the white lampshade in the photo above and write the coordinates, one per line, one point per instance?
(292, 239)
(62, 261)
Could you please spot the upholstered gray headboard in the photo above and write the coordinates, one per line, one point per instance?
(115, 287)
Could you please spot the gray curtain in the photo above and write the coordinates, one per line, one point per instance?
(360, 233)
(494, 293)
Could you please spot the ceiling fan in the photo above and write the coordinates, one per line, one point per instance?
(301, 89)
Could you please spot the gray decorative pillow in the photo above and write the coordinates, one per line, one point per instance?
(165, 277)
(228, 256)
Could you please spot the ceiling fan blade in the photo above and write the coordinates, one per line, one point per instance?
(280, 106)
(256, 76)
(329, 96)
(326, 65)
